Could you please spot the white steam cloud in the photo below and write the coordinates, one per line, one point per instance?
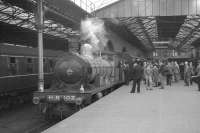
(93, 31)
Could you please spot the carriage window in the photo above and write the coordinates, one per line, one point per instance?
(51, 65)
(12, 65)
(12, 60)
(29, 60)
(45, 67)
(29, 65)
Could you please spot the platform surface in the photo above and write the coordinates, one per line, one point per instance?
(176, 109)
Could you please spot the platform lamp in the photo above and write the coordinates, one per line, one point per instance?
(40, 26)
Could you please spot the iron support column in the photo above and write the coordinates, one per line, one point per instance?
(40, 45)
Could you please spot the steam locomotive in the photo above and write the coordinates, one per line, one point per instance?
(80, 80)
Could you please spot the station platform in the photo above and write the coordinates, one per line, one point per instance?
(175, 109)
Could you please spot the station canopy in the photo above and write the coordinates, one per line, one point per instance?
(150, 31)
(60, 21)
(102, 3)
(157, 23)
(24, 17)
(178, 32)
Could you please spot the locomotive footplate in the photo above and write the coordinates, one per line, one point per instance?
(58, 97)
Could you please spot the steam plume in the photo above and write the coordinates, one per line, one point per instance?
(93, 31)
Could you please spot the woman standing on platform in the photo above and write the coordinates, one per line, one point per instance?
(144, 74)
(148, 76)
(162, 73)
(169, 74)
(155, 76)
(181, 67)
(191, 71)
(186, 74)
(173, 73)
(176, 72)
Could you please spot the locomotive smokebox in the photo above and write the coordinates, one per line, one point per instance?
(70, 69)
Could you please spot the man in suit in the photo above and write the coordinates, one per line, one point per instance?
(137, 74)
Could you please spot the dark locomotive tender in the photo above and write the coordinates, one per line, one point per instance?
(80, 80)
(19, 72)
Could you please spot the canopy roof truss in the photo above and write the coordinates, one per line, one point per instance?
(189, 32)
(144, 28)
(20, 17)
(86, 5)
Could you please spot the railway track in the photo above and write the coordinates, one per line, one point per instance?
(39, 128)
(24, 119)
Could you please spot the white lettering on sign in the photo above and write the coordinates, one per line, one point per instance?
(58, 98)
(54, 98)
(68, 98)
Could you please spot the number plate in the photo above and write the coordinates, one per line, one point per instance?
(61, 97)
(69, 98)
(53, 98)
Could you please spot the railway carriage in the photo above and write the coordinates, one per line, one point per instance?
(19, 72)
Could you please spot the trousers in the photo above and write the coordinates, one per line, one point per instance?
(136, 82)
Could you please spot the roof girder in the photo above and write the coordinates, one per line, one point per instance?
(186, 33)
(18, 16)
(145, 32)
(144, 28)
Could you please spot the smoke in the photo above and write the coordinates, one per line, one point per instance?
(93, 31)
(86, 51)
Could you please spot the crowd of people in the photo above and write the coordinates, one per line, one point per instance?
(159, 74)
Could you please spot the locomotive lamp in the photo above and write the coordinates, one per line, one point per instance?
(36, 100)
(82, 90)
(79, 101)
(99, 95)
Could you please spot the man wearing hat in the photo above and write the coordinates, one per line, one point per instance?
(137, 74)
